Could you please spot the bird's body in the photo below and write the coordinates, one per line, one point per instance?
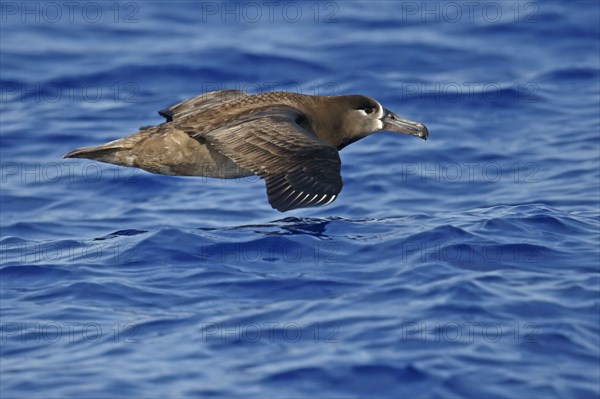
(291, 140)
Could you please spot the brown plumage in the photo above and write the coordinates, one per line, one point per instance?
(290, 140)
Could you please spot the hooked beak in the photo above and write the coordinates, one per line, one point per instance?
(393, 123)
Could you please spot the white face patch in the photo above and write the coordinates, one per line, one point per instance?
(379, 111)
(379, 116)
(370, 122)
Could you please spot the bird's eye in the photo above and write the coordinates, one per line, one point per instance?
(369, 110)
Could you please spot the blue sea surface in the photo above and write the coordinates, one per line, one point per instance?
(466, 266)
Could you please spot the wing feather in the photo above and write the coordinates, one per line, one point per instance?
(299, 169)
(200, 103)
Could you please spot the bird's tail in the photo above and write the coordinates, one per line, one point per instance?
(117, 152)
(94, 153)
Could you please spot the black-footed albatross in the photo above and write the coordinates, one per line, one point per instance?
(290, 140)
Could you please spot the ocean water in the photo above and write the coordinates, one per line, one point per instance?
(466, 266)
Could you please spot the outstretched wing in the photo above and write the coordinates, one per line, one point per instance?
(200, 103)
(299, 170)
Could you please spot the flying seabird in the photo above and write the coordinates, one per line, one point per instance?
(290, 140)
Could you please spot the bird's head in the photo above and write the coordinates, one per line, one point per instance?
(363, 115)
